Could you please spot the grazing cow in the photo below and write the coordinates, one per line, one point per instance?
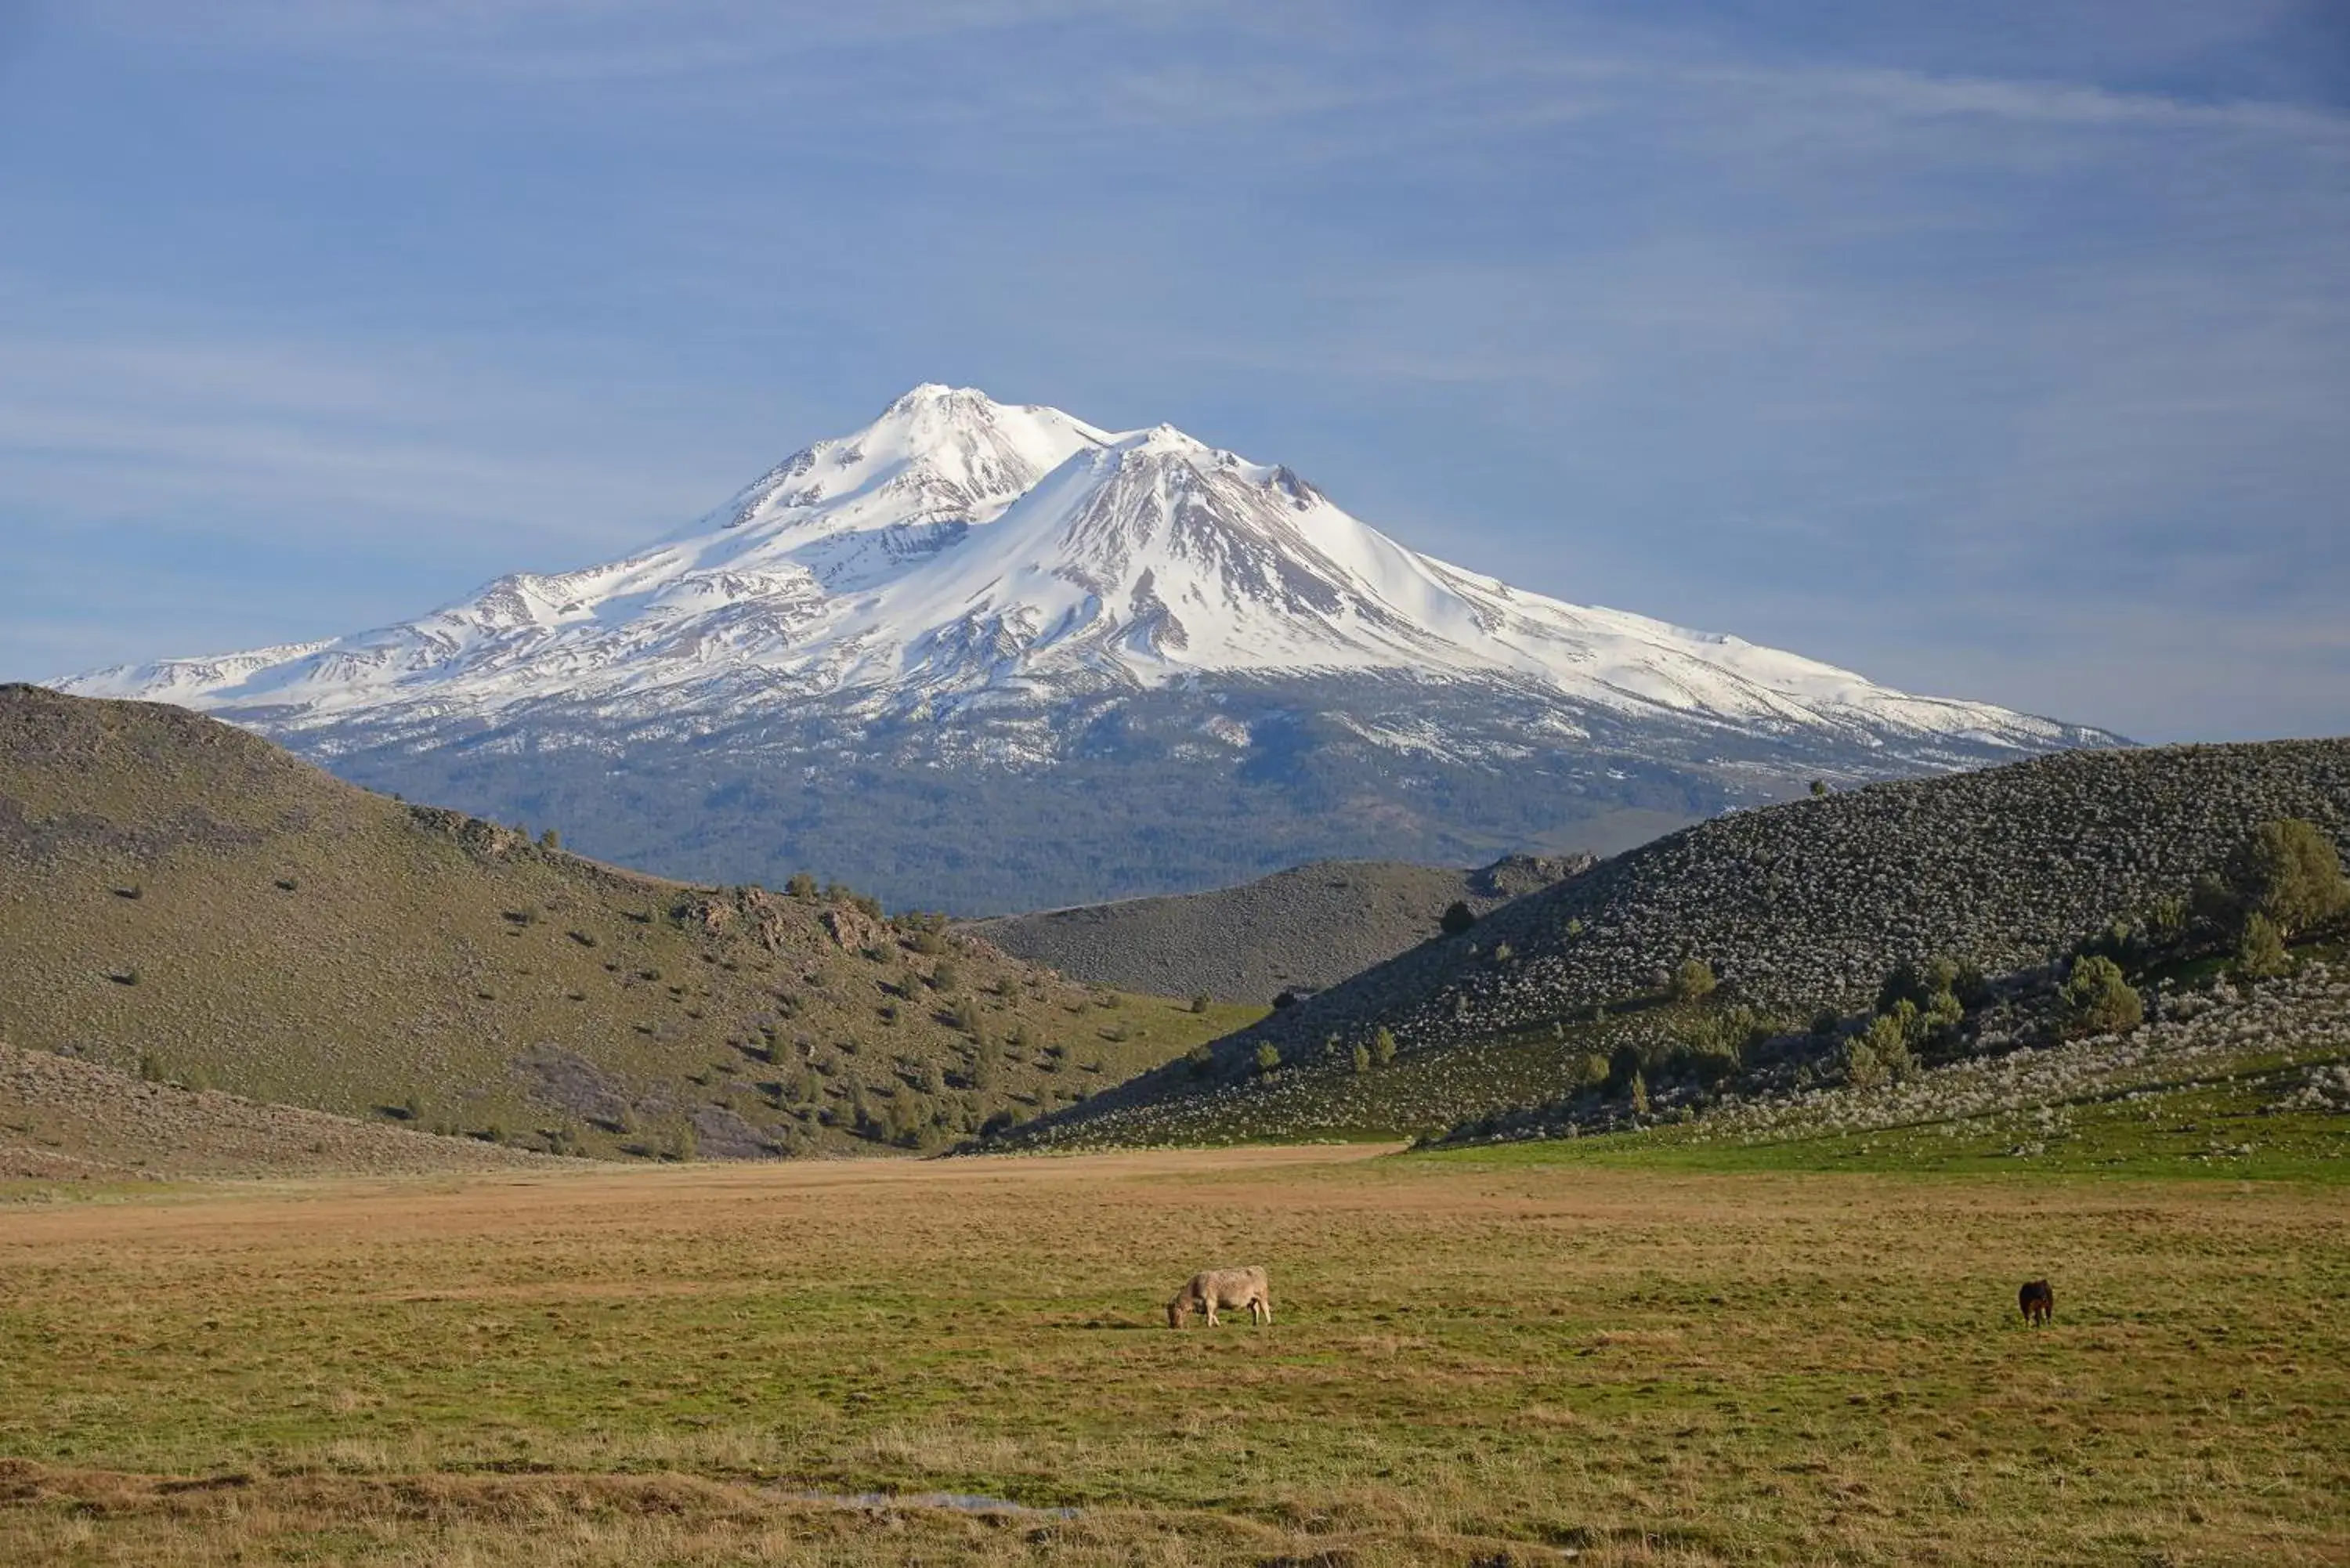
(1212, 1288)
(2036, 1302)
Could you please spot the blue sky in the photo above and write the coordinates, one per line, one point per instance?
(1996, 350)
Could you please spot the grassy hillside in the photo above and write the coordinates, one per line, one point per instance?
(183, 901)
(1302, 929)
(79, 1124)
(1557, 1000)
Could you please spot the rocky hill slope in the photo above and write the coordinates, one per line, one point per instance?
(1793, 909)
(1297, 930)
(972, 623)
(183, 900)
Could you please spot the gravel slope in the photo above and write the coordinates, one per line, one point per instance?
(1808, 904)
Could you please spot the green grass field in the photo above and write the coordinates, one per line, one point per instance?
(1603, 1352)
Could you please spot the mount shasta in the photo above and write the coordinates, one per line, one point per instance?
(985, 657)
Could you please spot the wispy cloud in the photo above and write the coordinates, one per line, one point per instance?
(1856, 339)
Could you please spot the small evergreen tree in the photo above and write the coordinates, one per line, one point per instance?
(2099, 1000)
(2289, 871)
(1362, 1058)
(1819, 788)
(550, 839)
(1383, 1047)
(1268, 1057)
(1888, 1042)
(1902, 983)
(2260, 952)
(1692, 982)
(1858, 1061)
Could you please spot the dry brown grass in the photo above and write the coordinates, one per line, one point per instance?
(659, 1365)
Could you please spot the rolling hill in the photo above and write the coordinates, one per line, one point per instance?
(181, 901)
(1296, 930)
(1793, 909)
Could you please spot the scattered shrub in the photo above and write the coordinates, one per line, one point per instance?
(1268, 1057)
(2099, 1000)
(1457, 917)
(1887, 1041)
(1383, 1047)
(2167, 916)
(1902, 983)
(2260, 952)
(1692, 982)
(2289, 871)
(1859, 1064)
(1202, 1060)
(550, 839)
(1202, 1002)
(1362, 1058)
(800, 886)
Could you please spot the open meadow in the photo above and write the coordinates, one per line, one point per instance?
(1541, 1354)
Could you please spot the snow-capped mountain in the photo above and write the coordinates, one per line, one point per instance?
(957, 547)
(964, 582)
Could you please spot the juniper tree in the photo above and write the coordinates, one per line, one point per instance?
(1692, 982)
(2099, 1000)
(2260, 953)
(2289, 871)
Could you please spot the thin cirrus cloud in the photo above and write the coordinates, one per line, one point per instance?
(2005, 360)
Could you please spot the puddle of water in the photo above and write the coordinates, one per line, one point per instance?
(965, 1502)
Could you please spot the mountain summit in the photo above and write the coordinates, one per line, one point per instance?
(965, 583)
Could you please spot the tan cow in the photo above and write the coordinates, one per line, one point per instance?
(1212, 1288)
